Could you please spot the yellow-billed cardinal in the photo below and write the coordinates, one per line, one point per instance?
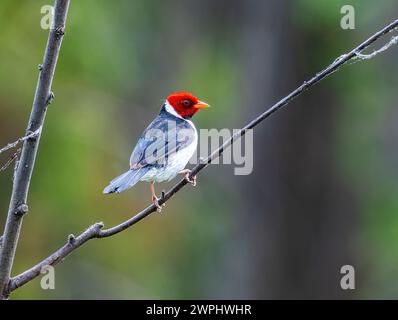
(165, 146)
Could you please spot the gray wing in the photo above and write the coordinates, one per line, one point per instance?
(162, 138)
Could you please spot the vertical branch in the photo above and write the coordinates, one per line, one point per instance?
(43, 96)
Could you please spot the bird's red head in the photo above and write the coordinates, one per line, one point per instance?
(186, 104)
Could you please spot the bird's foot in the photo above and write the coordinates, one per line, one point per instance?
(187, 173)
(155, 201)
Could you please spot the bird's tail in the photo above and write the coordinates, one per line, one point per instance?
(125, 180)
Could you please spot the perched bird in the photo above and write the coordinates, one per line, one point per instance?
(165, 146)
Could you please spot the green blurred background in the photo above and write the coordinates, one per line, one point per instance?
(323, 192)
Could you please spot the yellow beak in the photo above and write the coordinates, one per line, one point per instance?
(201, 105)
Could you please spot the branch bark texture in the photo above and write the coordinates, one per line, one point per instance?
(43, 96)
(97, 231)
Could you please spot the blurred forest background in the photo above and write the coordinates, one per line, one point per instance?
(324, 188)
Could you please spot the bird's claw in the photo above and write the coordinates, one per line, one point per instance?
(187, 173)
(191, 180)
(155, 201)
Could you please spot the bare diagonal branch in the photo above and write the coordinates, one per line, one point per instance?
(96, 231)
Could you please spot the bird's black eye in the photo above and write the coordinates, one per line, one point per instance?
(186, 103)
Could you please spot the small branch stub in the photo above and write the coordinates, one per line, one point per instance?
(22, 209)
(99, 226)
(71, 239)
(32, 135)
(50, 98)
(59, 31)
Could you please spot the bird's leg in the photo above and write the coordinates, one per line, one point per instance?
(191, 180)
(154, 198)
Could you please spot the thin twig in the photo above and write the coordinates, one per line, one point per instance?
(394, 40)
(9, 161)
(95, 231)
(22, 139)
(23, 173)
